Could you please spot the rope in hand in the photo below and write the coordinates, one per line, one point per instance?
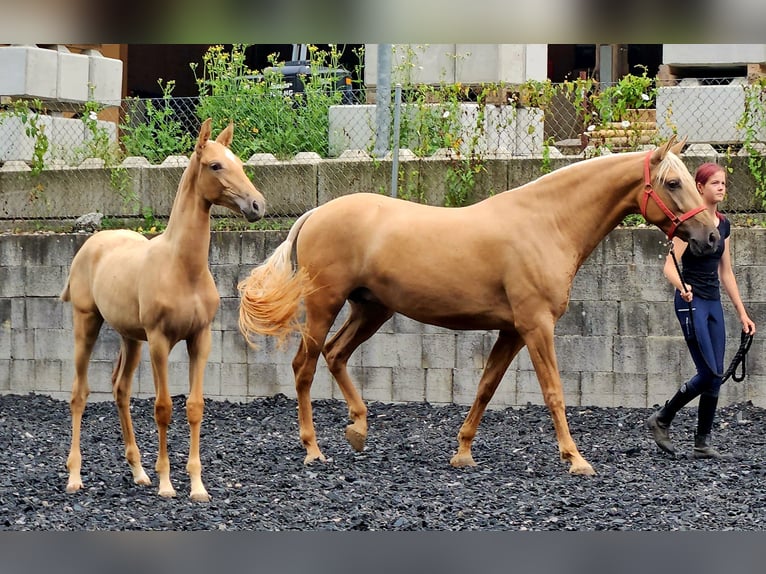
(745, 339)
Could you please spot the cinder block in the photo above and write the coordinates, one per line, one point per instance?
(5, 374)
(226, 278)
(408, 384)
(46, 280)
(584, 353)
(108, 346)
(470, 350)
(600, 318)
(630, 390)
(22, 343)
(389, 350)
(630, 355)
(505, 395)
(587, 284)
(439, 386)
(22, 374)
(52, 344)
(263, 381)
(375, 383)
(12, 281)
(439, 351)
(465, 382)
(48, 375)
(233, 380)
(599, 386)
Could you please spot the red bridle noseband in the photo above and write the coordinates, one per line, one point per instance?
(676, 220)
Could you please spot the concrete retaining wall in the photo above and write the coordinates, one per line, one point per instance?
(617, 345)
(295, 186)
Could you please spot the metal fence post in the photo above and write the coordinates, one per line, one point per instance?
(383, 107)
(395, 147)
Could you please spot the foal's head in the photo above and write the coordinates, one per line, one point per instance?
(221, 179)
(675, 188)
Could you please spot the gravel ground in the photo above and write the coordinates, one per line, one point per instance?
(252, 467)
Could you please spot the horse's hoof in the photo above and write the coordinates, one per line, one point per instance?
(142, 480)
(200, 496)
(73, 487)
(310, 458)
(583, 469)
(355, 438)
(462, 460)
(167, 493)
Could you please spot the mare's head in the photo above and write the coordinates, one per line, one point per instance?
(670, 199)
(221, 179)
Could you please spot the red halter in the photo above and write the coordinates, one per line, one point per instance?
(649, 192)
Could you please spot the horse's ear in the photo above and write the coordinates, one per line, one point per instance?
(225, 137)
(660, 153)
(204, 133)
(676, 148)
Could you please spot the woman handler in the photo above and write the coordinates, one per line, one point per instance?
(700, 313)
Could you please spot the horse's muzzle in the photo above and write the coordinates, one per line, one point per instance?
(705, 244)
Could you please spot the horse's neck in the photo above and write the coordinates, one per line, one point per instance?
(585, 201)
(188, 229)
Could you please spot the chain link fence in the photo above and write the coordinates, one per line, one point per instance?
(301, 150)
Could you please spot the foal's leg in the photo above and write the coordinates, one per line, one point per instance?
(504, 350)
(364, 320)
(159, 349)
(542, 352)
(319, 318)
(122, 382)
(86, 326)
(199, 349)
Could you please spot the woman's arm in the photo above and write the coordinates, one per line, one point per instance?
(729, 282)
(671, 273)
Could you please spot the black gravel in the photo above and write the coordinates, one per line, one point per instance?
(253, 469)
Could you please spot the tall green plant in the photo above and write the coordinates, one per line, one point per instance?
(29, 114)
(268, 120)
(753, 123)
(151, 130)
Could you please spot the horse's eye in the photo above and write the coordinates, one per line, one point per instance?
(215, 166)
(674, 184)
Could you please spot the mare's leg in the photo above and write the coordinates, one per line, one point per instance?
(199, 349)
(320, 314)
(122, 382)
(159, 349)
(364, 320)
(542, 352)
(503, 351)
(86, 326)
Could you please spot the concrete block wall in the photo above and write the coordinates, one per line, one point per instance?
(618, 344)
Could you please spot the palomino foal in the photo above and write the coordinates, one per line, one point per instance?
(160, 291)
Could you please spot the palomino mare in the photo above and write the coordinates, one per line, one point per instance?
(506, 263)
(161, 291)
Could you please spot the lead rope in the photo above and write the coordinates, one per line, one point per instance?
(745, 339)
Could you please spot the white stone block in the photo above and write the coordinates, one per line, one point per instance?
(72, 76)
(713, 54)
(702, 113)
(28, 71)
(15, 144)
(104, 78)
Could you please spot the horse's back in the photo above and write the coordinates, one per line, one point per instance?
(102, 262)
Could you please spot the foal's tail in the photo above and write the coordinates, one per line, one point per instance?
(271, 297)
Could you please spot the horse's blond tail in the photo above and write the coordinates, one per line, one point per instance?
(271, 297)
